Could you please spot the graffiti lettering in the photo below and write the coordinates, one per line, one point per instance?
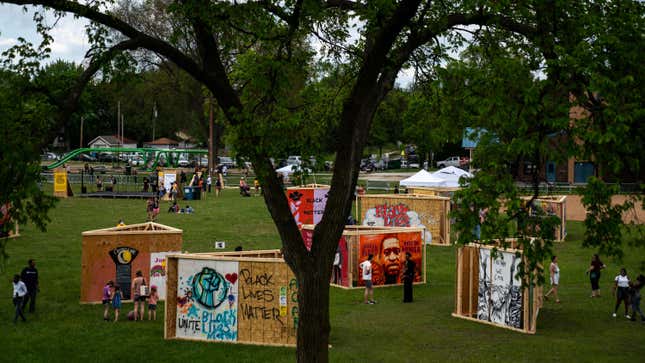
(263, 279)
(393, 215)
(220, 326)
(293, 286)
(257, 295)
(250, 312)
(295, 314)
(188, 324)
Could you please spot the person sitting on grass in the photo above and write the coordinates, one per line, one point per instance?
(189, 210)
(174, 208)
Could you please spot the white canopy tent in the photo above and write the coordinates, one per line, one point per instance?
(423, 179)
(451, 175)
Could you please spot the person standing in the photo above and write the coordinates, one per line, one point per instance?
(408, 277)
(29, 276)
(621, 291)
(218, 184)
(209, 182)
(139, 299)
(336, 270)
(152, 303)
(19, 292)
(116, 301)
(635, 290)
(107, 299)
(594, 275)
(554, 269)
(366, 269)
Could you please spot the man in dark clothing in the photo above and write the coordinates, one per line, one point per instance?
(408, 277)
(29, 276)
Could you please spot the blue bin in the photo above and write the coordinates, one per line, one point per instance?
(188, 193)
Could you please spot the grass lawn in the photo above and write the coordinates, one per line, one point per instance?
(580, 329)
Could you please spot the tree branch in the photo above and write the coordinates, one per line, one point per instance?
(220, 87)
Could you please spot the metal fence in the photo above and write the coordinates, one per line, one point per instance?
(135, 182)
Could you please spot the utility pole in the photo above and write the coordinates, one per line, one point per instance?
(118, 118)
(80, 144)
(211, 154)
(154, 120)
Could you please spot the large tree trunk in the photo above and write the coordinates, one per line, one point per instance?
(313, 311)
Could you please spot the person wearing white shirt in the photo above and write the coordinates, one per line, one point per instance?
(19, 292)
(621, 291)
(366, 269)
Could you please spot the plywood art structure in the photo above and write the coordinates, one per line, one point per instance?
(166, 177)
(307, 203)
(245, 297)
(387, 244)
(118, 253)
(437, 191)
(488, 290)
(553, 205)
(408, 210)
(62, 189)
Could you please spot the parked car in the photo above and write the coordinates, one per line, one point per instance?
(456, 161)
(183, 162)
(49, 156)
(294, 160)
(84, 157)
(367, 165)
(136, 161)
(226, 161)
(100, 169)
(107, 157)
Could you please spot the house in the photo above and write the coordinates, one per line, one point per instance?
(186, 140)
(571, 171)
(162, 143)
(112, 141)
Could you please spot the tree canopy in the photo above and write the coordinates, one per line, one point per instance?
(260, 61)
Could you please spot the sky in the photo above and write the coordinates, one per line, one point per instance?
(70, 41)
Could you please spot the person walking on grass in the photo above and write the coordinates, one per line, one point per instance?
(116, 301)
(554, 270)
(621, 291)
(107, 299)
(366, 269)
(19, 292)
(152, 303)
(635, 290)
(594, 275)
(29, 276)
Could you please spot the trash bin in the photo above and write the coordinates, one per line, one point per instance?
(188, 193)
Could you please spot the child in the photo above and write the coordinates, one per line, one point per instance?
(152, 303)
(107, 294)
(116, 302)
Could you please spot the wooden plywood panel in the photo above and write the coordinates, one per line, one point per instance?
(171, 298)
(408, 210)
(98, 266)
(243, 323)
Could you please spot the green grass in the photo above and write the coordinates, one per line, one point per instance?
(580, 329)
